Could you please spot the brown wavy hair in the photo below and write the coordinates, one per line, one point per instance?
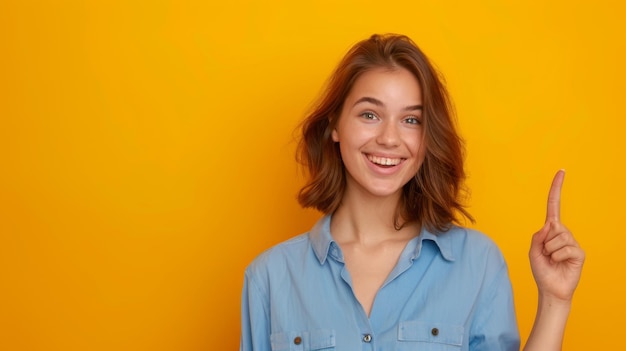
(432, 197)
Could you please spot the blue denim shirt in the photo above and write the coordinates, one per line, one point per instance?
(449, 291)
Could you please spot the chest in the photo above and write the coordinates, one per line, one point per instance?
(370, 268)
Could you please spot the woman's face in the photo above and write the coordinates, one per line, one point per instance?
(380, 132)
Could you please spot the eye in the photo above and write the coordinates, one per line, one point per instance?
(369, 115)
(413, 120)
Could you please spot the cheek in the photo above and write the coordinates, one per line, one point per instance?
(420, 153)
(417, 143)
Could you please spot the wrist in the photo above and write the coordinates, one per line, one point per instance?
(554, 302)
(553, 310)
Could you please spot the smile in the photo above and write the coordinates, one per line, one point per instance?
(384, 161)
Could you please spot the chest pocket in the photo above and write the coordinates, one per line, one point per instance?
(418, 335)
(320, 339)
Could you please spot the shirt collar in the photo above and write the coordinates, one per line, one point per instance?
(321, 239)
(443, 240)
(323, 243)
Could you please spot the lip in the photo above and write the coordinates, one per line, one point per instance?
(384, 169)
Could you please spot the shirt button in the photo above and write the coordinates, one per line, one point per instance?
(297, 340)
(435, 331)
(367, 338)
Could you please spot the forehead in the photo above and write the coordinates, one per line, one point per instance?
(397, 85)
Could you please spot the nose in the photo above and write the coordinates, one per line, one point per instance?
(388, 134)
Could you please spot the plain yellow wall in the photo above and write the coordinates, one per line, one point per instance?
(147, 154)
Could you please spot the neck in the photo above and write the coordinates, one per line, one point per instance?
(368, 219)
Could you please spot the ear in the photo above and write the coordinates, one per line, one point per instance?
(335, 135)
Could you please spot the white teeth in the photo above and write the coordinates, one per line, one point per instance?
(385, 161)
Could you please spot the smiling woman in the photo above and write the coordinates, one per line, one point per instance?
(379, 135)
(440, 177)
(388, 267)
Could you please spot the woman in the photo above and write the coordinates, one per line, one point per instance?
(386, 268)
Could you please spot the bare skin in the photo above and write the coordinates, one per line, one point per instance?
(369, 267)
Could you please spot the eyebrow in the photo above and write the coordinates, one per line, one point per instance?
(377, 102)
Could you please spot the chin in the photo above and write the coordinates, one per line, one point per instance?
(385, 192)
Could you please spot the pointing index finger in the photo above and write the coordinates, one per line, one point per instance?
(554, 197)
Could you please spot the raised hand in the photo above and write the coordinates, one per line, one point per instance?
(556, 259)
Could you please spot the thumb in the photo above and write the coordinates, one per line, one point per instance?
(538, 239)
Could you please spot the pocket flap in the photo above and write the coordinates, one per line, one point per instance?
(317, 339)
(431, 332)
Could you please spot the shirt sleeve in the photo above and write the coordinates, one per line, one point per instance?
(495, 324)
(255, 325)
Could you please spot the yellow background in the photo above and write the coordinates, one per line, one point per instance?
(147, 154)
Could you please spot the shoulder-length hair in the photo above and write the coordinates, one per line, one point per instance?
(432, 197)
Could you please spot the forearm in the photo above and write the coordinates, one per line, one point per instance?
(549, 327)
